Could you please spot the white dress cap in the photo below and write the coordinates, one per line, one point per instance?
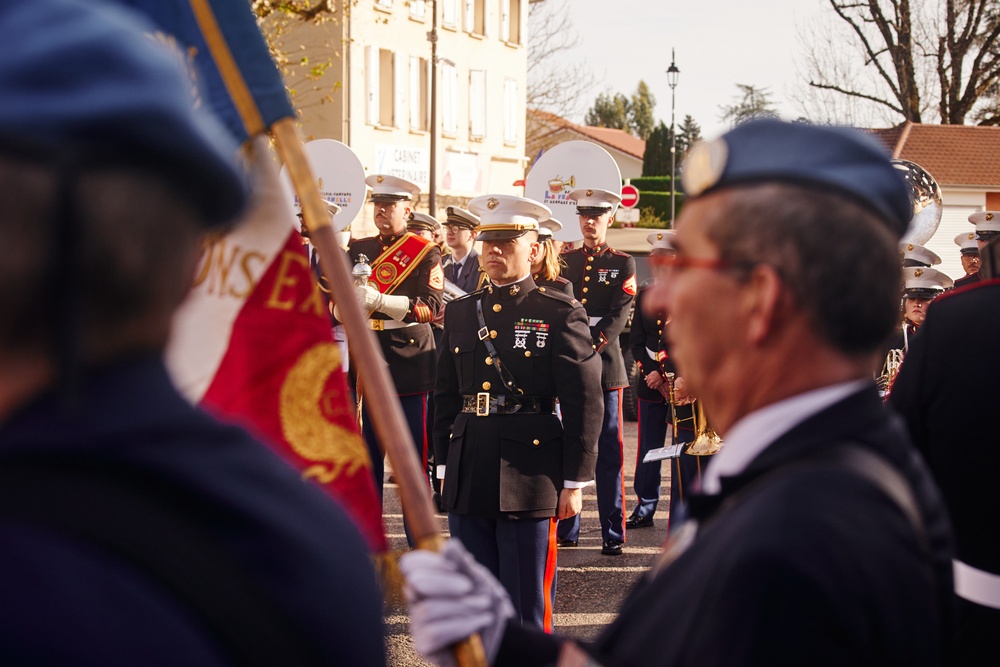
(915, 254)
(392, 187)
(663, 240)
(595, 198)
(967, 242)
(507, 216)
(921, 280)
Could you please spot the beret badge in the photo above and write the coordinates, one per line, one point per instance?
(704, 165)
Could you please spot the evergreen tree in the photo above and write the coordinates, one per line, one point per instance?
(751, 102)
(640, 112)
(656, 161)
(687, 134)
(609, 111)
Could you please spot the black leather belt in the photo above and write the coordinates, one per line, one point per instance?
(484, 403)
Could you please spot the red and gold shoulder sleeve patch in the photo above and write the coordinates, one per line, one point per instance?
(436, 280)
(630, 286)
(422, 312)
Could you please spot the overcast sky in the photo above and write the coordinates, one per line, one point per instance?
(719, 43)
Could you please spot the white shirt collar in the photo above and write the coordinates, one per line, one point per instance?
(752, 434)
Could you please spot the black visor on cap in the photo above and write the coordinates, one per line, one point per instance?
(921, 293)
(986, 235)
(592, 210)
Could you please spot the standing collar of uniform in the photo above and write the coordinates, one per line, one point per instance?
(389, 240)
(519, 287)
(596, 250)
(753, 433)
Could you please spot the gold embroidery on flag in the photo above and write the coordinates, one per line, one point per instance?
(307, 410)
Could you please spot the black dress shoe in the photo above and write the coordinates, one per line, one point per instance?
(611, 548)
(639, 522)
(561, 542)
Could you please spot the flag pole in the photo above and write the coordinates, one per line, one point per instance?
(390, 426)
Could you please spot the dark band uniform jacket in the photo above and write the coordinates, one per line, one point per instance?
(470, 276)
(604, 282)
(946, 393)
(409, 350)
(515, 463)
(560, 284)
(649, 349)
(66, 596)
(815, 523)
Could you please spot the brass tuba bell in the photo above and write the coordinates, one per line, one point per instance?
(706, 440)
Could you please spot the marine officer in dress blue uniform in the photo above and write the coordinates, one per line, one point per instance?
(649, 349)
(403, 296)
(966, 242)
(604, 282)
(510, 468)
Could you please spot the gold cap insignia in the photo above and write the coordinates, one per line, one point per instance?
(909, 247)
(379, 179)
(918, 272)
(972, 235)
(589, 193)
(659, 237)
(492, 203)
(703, 167)
(989, 216)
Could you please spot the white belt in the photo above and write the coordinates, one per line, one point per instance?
(386, 325)
(595, 320)
(652, 354)
(975, 585)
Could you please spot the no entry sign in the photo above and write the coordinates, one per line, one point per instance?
(630, 196)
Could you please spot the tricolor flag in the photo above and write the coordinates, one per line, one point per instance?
(253, 342)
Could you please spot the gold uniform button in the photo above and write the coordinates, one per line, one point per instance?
(493, 333)
(486, 386)
(535, 442)
(589, 267)
(590, 259)
(527, 353)
(412, 341)
(541, 289)
(497, 308)
(594, 346)
(586, 289)
(659, 322)
(586, 279)
(489, 361)
(583, 301)
(456, 350)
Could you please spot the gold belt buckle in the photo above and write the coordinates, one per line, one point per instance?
(483, 404)
(377, 325)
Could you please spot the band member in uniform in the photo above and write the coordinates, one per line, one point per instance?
(423, 225)
(403, 296)
(649, 349)
(604, 281)
(987, 226)
(818, 536)
(546, 270)
(921, 284)
(510, 468)
(966, 242)
(915, 254)
(462, 268)
(946, 408)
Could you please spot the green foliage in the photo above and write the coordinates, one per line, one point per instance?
(656, 160)
(609, 111)
(634, 115)
(688, 133)
(751, 102)
(652, 184)
(657, 203)
(650, 219)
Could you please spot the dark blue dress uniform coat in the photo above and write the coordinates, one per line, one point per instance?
(66, 601)
(409, 351)
(805, 567)
(947, 392)
(515, 464)
(604, 282)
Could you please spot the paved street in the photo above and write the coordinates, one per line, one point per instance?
(590, 586)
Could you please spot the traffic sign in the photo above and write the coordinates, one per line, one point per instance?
(630, 196)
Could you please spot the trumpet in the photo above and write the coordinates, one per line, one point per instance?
(706, 441)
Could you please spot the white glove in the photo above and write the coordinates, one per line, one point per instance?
(369, 298)
(451, 596)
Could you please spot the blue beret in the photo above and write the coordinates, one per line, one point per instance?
(839, 159)
(86, 79)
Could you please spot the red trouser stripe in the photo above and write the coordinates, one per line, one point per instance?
(550, 576)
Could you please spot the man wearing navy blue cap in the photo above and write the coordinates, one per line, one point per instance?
(134, 528)
(817, 536)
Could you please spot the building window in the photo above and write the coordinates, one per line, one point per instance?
(475, 17)
(449, 100)
(510, 21)
(449, 13)
(477, 104)
(383, 4)
(513, 112)
(419, 97)
(418, 9)
(383, 87)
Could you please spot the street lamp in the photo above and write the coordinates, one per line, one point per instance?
(672, 75)
(432, 37)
